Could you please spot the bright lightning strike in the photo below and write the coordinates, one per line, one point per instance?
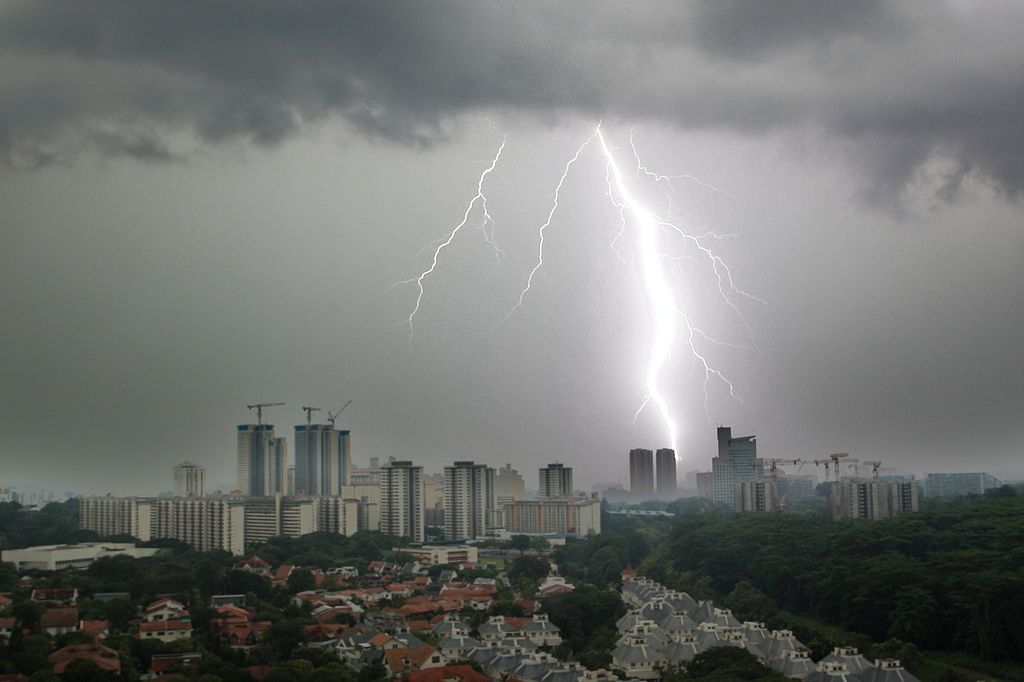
(649, 227)
(663, 308)
(551, 214)
(480, 198)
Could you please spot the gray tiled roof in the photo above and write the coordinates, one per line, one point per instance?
(681, 652)
(894, 674)
(678, 623)
(855, 662)
(636, 652)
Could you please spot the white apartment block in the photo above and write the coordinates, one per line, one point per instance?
(555, 481)
(567, 516)
(470, 506)
(189, 480)
(959, 484)
(223, 522)
(866, 498)
(401, 493)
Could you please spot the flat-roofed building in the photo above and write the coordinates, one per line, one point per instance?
(579, 516)
(432, 555)
(80, 555)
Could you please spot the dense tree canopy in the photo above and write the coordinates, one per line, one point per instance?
(949, 578)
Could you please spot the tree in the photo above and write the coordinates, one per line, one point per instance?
(520, 542)
(301, 580)
(722, 663)
(529, 568)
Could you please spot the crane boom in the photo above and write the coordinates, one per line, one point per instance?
(259, 409)
(331, 416)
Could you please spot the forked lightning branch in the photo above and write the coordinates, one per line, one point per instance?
(655, 236)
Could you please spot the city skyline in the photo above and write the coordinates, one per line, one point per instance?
(192, 226)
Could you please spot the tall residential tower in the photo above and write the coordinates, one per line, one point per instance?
(667, 481)
(401, 500)
(189, 480)
(470, 506)
(555, 481)
(641, 471)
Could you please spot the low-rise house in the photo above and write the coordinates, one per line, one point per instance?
(554, 584)
(500, 627)
(448, 673)
(174, 664)
(225, 599)
(682, 650)
(103, 657)
(535, 666)
(165, 609)
(241, 636)
(256, 565)
(112, 596)
(458, 647)
(406, 660)
(59, 620)
(56, 595)
(638, 659)
(832, 672)
(97, 629)
(887, 670)
(855, 662)
(7, 625)
(541, 631)
(165, 630)
(796, 664)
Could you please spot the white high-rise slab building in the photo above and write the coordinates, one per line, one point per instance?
(470, 506)
(189, 480)
(401, 500)
(555, 481)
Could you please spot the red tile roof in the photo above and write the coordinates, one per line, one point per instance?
(59, 618)
(448, 673)
(104, 657)
(405, 659)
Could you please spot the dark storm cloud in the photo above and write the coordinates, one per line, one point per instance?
(903, 81)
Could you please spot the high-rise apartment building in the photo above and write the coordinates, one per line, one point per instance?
(578, 516)
(705, 481)
(107, 516)
(205, 523)
(668, 483)
(401, 500)
(555, 481)
(262, 460)
(270, 517)
(959, 484)
(470, 506)
(224, 522)
(736, 462)
(641, 471)
(865, 498)
(756, 496)
(189, 480)
(322, 459)
(508, 484)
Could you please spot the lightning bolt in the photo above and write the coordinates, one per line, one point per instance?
(547, 223)
(661, 299)
(667, 317)
(478, 198)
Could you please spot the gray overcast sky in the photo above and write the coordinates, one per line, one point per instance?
(204, 205)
